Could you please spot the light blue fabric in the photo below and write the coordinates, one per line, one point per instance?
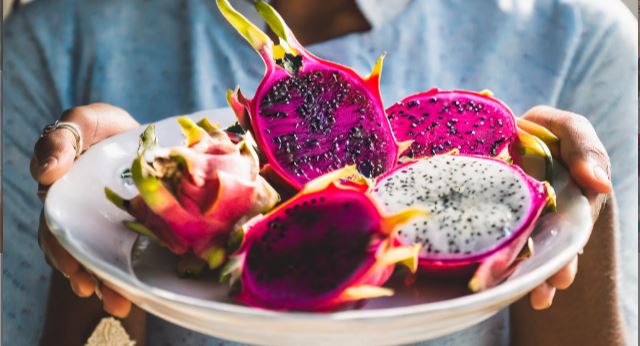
(167, 57)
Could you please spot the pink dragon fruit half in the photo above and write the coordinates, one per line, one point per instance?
(482, 212)
(324, 248)
(473, 123)
(311, 116)
(193, 196)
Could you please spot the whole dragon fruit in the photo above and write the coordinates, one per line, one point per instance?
(482, 211)
(473, 123)
(324, 248)
(193, 196)
(311, 116)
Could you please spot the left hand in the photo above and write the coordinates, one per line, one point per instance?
(586, 158)
(53, 156)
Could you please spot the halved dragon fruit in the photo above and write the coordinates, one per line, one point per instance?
(311, 116)
(324, 248)
(473, 123)
(193, 196)
(482, 212)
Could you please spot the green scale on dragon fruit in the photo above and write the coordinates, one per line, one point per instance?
(325, 248)
(482, 212)
(311, 116)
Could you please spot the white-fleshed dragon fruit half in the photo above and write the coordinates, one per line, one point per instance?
(482, 212)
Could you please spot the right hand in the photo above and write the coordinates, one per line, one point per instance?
(53, 156)
(588, 162)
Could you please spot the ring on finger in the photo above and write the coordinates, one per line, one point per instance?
(71, 127)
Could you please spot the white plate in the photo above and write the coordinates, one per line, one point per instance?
(90, 228)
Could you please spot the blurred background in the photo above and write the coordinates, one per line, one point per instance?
(7, 5)
(633, 6)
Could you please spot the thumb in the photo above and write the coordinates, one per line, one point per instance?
(55, 152)
(590, 172)
(53, 156)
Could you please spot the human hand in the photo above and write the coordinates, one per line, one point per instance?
(53, 156)
(586, 158)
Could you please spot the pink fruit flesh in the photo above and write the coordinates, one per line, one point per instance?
(299, 262)
(311, 131)
(440, 121)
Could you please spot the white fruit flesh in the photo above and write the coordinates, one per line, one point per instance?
(475, 203)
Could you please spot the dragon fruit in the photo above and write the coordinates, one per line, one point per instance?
(483, 211)
(193, 196)
(311, 116)
(324, 248)
(473, 123)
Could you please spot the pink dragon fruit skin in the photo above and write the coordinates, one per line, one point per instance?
(311, 116)
(471, 122)
(482, 212)
(193, 196)
(326, 247)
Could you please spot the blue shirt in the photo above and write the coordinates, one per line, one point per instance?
(166, 57)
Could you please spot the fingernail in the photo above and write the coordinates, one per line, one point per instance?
(549, 303)
(553, 295)
(73, 288)
(47, 164)
(600, 174)
(98, 292)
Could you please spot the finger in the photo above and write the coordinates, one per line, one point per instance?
(56, 156)
(57, 255)
(82, 284)
(580, 147)
(114, 303)
(542, 296)
(588, 171)
(54, 153)
(564, 278)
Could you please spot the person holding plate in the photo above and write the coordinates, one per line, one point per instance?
(102, 68)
